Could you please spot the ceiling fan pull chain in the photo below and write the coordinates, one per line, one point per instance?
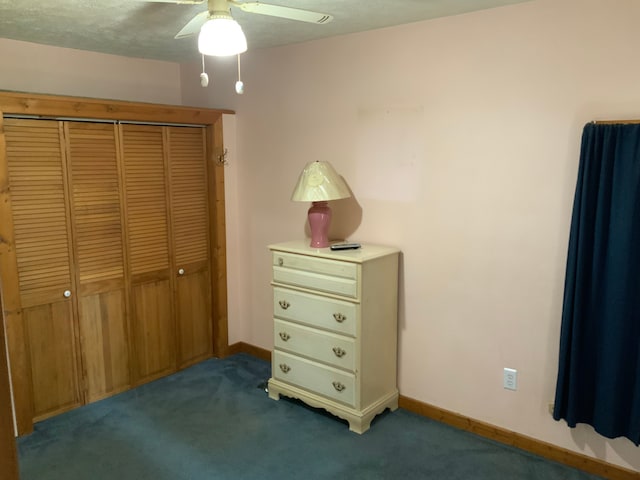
(204, 78)
(239, 84)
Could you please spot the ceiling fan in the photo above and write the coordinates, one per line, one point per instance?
(220, 35)
(222, 9)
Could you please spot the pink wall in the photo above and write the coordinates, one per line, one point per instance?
(459, 138)
(28, 67)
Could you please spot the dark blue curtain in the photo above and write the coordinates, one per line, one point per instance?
(599, 370)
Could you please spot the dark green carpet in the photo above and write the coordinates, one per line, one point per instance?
(212, 421)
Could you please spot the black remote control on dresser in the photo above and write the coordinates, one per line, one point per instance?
(345, 246)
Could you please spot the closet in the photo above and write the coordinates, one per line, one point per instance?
(111, 223)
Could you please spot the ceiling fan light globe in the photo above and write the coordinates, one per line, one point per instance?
(221, 37)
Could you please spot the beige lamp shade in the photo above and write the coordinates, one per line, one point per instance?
(319, 182)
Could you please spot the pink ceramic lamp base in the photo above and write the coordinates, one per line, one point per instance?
(319, 220)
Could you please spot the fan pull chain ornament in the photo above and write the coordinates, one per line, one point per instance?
(239, 83)
(204, 78)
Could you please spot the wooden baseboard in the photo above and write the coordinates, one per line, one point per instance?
(498, 434)
(528, 444)
(242, 347)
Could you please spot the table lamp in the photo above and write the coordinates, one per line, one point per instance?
(319, 183)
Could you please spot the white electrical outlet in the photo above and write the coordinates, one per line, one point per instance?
(510, 379)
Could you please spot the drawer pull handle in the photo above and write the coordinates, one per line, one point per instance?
(338, 386)
(280, 261)
(284, 336)
(339, 317)
(285, 368)
(338, 351)
(284, 304)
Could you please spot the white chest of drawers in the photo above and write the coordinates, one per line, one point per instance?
(335, 329)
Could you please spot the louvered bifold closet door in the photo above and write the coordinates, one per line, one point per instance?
(147, 233)
(39, 203)
(99, 256)
(190, 227)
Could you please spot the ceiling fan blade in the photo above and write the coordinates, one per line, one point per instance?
(283, 12)
(180, 2)
(194, 25)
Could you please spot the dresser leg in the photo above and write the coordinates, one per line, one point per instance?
(360, 425)
(274, 393)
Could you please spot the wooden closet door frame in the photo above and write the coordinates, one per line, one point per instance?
(8, 451)
(50, 106)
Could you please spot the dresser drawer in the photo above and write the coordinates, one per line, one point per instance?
(336, 350)
(316, 273)
(317, 265)
(315, 310)
(326, 381)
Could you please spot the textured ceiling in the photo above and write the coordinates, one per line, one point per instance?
(137, 28)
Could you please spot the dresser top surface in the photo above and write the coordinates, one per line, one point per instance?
(366, 252)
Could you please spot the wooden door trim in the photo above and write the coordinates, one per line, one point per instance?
(51, 106)
(218, 238)
(90, 108)
(8, 453)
